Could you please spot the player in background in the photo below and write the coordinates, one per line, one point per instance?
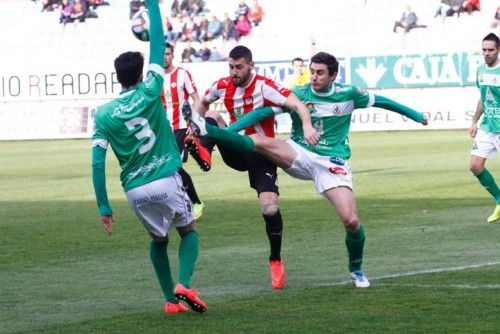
(241, 92)
(487, 135)
(300, 75)
(177, 89)
(326, 164)
(135, 126)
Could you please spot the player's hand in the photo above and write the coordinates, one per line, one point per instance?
(426, 120)
(106, 223)
(473, 130)
(311, 135)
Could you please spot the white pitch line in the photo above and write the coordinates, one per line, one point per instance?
(440, 286)
(423, 272)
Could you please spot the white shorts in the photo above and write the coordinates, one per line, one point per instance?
(326, 172)
(486, 144)
(161, 205)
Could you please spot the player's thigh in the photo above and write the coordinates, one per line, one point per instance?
(233, 159)
(262, 174)
(161, 205)
(276, 150)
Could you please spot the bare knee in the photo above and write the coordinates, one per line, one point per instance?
(351, 224)
(476, 166)
(269, 209)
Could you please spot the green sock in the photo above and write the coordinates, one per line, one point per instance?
(188, 253)
(488, 182)
(234, 141)
(355, 242)
(159, 257)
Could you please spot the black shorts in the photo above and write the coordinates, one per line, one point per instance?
(180, 135)
(262, 173)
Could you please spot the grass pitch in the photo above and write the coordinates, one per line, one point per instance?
(433, 261)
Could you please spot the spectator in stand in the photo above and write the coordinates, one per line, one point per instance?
(455, 8)
(135, 6)
(175, 8)
(256, 13)
(496, 18)
(228, 28)
(196, 8)
(202, 27)
(471, 6)
(214, 29)
(187, 53)
(79, 11)
(243, 26)
(202, 54)
(242, 9)
(184, 7)
(216, 55)
(408, 21)
(65, 9)
(190, 31)
(177, 28)
(50, 5)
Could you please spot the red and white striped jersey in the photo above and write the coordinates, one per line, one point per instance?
(177, 87)
(260, 92)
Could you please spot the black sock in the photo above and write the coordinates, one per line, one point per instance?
(206, 141)
(189, 186)
(274, 230)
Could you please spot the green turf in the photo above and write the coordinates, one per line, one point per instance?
(433, 261)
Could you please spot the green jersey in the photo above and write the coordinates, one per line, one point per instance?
(331, 114)
(488, 82)
(136, 126)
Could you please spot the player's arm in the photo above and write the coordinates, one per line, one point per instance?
(388, 104)
(157, 43)
(475, 119)
(99, 182)
(252, 118)
(294, 104)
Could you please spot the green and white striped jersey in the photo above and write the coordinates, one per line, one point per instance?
(488, 82)
(132, 123)
(331, 114)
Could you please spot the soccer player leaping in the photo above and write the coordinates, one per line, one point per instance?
(331, 106)
(135, 126)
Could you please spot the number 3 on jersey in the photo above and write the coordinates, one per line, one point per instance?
(146, 132)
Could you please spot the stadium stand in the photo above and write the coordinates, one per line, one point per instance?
(344, 28)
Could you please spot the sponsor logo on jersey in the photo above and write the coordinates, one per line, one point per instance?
(310, 107)
(248, 100)
(173, 84)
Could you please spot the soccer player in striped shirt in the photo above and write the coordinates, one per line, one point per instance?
(178, 88)
(487, 136)
(242, 92)
(325, 163)
(135, 126)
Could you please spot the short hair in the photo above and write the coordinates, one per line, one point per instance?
(297, 59)
(329, 60)
(129, 67)
(170, 45)
(492, 37)
(241, 51)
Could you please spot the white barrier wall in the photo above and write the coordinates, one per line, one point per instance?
(60, 104)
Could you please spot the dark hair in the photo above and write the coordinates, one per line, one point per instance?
(170, 45)
(241, 51)
(297, 59)
(129, 67)
(325, 58)
(492, 37)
